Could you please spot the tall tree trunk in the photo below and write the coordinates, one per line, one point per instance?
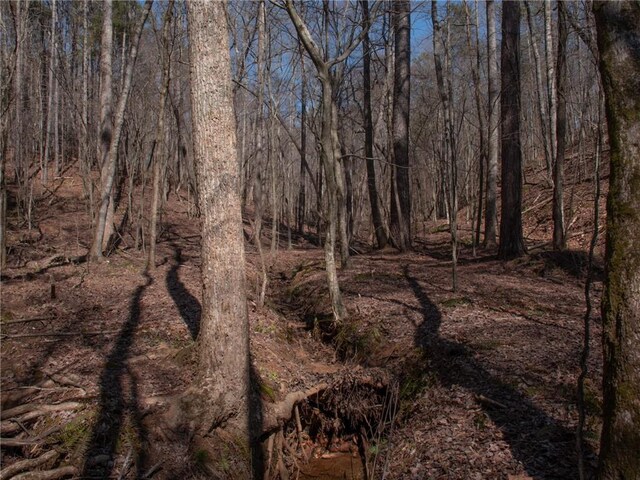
(482, 127)
(449, 147)
(551, 79)
(50, 95)
(302, 192)
(511, 240)
(401, 219)
(619, 45)
(378, 226)
(330, 159)
(105, 129)
(542, 105)
(259, 136)
(490, 225)
(161, 147)
(559, 241)
(223, 342)
(109, 169)
(86, 161)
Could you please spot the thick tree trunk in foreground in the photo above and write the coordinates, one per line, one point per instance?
(401, 202)
(618, 30)
(223, 342)
(511, 241)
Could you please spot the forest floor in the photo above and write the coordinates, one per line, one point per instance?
(420, 383)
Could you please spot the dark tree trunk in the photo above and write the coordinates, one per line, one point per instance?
(511, 241)
(223, 341)
(378, 226)
(559, 242)
(618, 31)
(401, 199)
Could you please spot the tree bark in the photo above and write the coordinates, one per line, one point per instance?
(542, 105)
(109, 169)
(551, 80)
(105, 131)
(330, 159)
(511, 240)
(161, 147)
(400, 228)
(378, 226)
(559, 240)
(490, 225)
(223, 342)
(619, 45)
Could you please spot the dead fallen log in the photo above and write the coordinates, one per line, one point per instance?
(28, 464)
(48, 474)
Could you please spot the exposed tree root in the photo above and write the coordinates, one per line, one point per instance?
(28, 464)
(276, 415)
(37, 409)
(48, 474)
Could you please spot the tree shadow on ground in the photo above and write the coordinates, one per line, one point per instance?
(118, 399)
(573, 262)
(544, 447)
(188, 305)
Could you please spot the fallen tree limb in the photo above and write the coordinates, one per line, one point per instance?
(30, 407)
(47, 474)
(28, 464)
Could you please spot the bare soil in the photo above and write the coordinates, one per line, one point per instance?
(422, 382)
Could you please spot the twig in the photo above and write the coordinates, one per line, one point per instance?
(487, 400)
(125, 465)
(27, 320)
(153, 470)
(27, 464)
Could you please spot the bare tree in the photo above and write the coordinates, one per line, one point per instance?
(109, 168)
(559, 233)
(400, 228)
(490, 226)
(380, 233)
(223, 342)
(161, 147)
(511, 240)
(619, 45)
(330, 155)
